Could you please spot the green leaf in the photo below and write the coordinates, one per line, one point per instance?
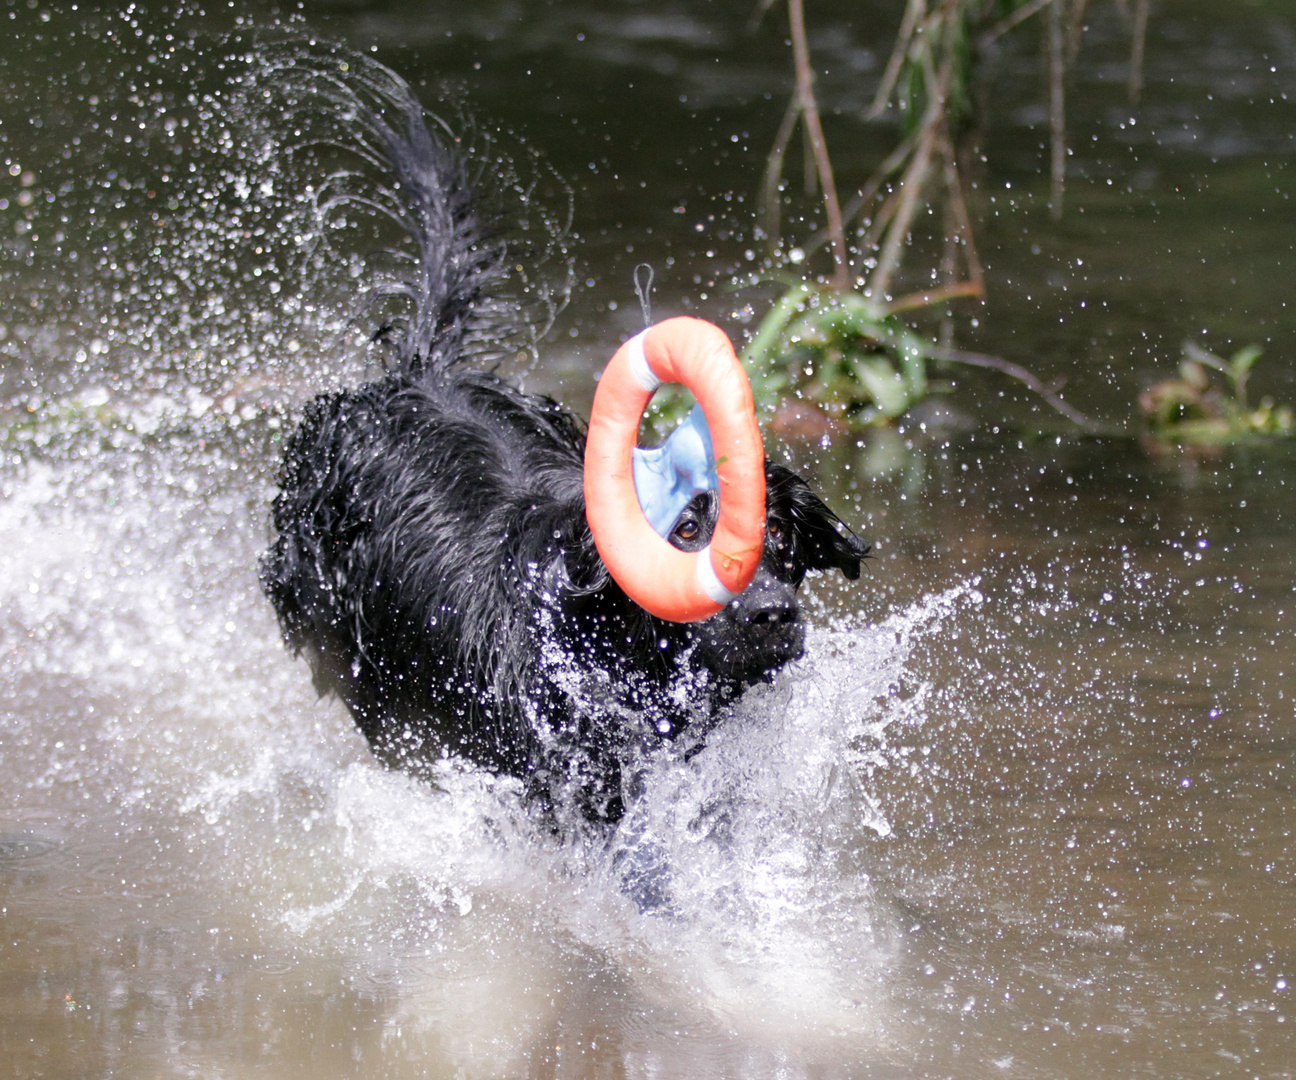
(773, 326)
(885, 385)
(1242, 360)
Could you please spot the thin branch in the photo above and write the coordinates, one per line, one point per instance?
(1138, 44)
(909, 191)
(1075, 29)
(769, 191)
(907, 200)
(1057, 109)
(963, 230)
(954, 291)
(869, 191)
(759, 14)
(873, 226)
(915, 10)
(810, 166)
(1015, 371)
(1017, 17)
(959, 228)
(871, 237)
(810, 113)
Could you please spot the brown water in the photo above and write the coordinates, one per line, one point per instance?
(1024, 810)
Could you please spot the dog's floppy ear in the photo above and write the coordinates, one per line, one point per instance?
(820, 541)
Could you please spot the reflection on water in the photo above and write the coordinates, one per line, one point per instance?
(1024, 809)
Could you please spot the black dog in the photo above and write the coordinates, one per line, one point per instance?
(433, 559)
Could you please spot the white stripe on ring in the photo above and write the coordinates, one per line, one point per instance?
(711, 584)
(639, 366)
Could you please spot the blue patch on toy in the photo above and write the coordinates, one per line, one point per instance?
(667, 477)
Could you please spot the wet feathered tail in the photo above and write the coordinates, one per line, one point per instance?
(437, 288)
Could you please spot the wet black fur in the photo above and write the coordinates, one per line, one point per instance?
(432, 557)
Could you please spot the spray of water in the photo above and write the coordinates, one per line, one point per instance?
(150, 697)
(156, 730)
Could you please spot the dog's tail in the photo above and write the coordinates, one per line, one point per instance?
(446, 285)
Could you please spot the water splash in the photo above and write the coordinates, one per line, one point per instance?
(151, 697)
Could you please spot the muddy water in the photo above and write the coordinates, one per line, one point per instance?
(1024, 810)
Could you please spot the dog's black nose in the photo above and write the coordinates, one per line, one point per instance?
(768, 602)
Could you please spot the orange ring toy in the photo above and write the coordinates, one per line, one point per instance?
(676, 585)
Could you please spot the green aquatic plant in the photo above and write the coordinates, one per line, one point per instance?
(840, 352)
(855, 360)
(1207, 401)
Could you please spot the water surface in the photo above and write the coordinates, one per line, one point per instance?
(1024, 809)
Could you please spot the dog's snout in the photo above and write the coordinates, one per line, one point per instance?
(774, 611)
(768, 602)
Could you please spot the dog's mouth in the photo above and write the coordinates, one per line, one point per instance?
(771, 644)
(767, 620)
(749, 647)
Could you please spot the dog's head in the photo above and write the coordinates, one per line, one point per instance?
(760, 630)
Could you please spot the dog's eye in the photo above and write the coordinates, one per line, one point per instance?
(687, 530)
(775, 530)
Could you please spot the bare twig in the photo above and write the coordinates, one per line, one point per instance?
(1057, 109)
(870, 190)
(961, 233)
(761, 8)
(954, 291)
(814, 129)
(810, 167)
(1015, 371)
(1016, 18)
(1138, 43)
(907, 199)
(1075, 29)
(914, 11)
(909, 191)
(925, 155)
(769, 192)
(885, 214)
